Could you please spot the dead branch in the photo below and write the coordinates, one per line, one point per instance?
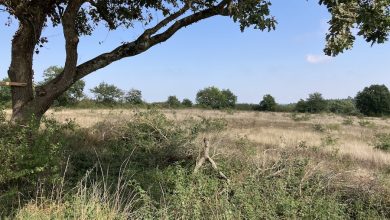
(206, 157)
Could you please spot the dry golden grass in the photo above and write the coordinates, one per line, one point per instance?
(328, 132)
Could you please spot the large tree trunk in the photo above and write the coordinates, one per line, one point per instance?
(20, 70)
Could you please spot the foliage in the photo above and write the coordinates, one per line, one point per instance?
(186, 103)
(369, 18)
(212, 97)
(173, 102)
(134, 97)
(382, 142)
(301, 106)
(143, 169)
(343, 106)
(5, 94)
(72, 95)
(268, 103)
(313, 104)
(374, 100)
(107, 93)
(31, 157)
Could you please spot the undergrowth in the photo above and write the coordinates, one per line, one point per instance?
(143, 169)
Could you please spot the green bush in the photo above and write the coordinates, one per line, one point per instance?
(30, 157)
(382, 142)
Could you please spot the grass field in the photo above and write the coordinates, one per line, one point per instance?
(281, 165)
(350, 136)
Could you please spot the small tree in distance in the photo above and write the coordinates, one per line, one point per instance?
(374, 100)
(212, 97)
(268, 103)
(134, 97)
(173, 102)
(187, 103)
(107, 94)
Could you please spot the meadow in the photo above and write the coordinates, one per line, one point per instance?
(136, 163)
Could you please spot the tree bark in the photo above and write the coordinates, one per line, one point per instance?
(20, 70)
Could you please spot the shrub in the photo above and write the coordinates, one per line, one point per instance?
(30, 157)
(268, 103)
(374, 100)
(382, 142)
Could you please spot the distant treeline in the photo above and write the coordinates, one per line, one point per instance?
(371, 101)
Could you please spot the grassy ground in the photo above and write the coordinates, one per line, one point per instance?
(350, 136)
(280, 166)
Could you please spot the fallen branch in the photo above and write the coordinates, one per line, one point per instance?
(206, 157)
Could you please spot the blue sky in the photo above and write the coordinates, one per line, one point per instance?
(287, 63)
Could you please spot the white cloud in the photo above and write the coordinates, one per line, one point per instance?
(315, 59)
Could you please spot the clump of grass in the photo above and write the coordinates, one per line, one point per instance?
(300, 117)
(319, 127)
(366, 123)
(348, 121)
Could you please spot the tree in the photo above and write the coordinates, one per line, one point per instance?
(69, 97)
(301, 106)
(134, 97)
(5, 94)
(79, 18)
(268, 103)
(186, 103)
(315, 103)
(173, 102)
(374, 100)
(212, 97)
(343, 106)
(107, 94)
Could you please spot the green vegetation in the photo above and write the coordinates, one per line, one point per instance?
(187, 103)
(268, 103)
(173, 102)
(134, 97)
(143, 169)
(374, 100)
(5, 94)
(107, 94)
(313, 104)
(212, 97)
(382, 142)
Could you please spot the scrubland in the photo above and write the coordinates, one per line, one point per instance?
(138, 164)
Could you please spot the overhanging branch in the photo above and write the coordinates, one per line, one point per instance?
(144, 43)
